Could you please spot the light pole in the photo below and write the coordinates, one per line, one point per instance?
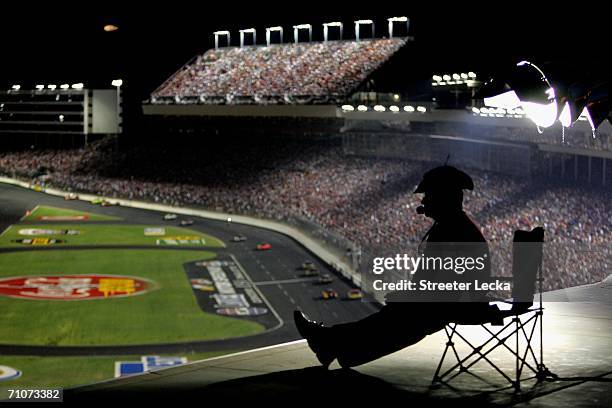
(358, 23)
(269, 30)
(245, 31)
(117, 83)
(217, 34)
(296, 31)
(332, 24)
(398, 20)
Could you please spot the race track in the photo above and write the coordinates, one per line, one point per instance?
(273, 272)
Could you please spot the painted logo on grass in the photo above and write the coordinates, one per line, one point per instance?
(63, 218)
(73, 287)
(31, 231)
(39, 241)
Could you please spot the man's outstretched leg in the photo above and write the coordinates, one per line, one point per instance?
(391, 329)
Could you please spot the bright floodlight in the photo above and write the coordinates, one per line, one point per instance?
(446, 77)
(475, 110)
(421, 109)
(117, 82)
(394, 109)
(348, 108)
(437, 78)
(565, 117)
(542, 114)
(471, 74)
(398, 19)
(408, 108)
(362, 108)
(109, 28)
(52, 87)
(456, 77)
(64, 86)
(585, 115)
(16, 87)
(379, 108)
(40, 87)
(78, 85)
(464, 76)
(507, 100)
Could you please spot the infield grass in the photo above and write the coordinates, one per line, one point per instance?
(167, 314)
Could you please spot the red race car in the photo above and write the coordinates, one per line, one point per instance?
(264, 247)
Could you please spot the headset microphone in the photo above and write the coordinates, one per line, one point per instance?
(420, 209)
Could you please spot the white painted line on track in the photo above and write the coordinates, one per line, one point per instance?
(281, 322)
(276, 282)
(6, 230)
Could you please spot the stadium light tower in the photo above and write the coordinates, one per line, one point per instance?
(358, 23)
(246, 31)
(217, 34)
(332, 24)
(270, 30)
(398, 20)
(297, 28)
(16, 87)
(118, 83)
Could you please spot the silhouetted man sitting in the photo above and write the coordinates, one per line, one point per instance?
(400, 322)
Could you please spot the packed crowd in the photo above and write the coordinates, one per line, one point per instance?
(320, 69)
(368, 201)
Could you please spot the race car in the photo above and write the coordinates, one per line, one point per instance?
(106, 203)
(354, 294)
(308, 266)
(328, 294)
(71, 196)
(170, 217)
(264, 247)
(97, 201)
(325, 279)
(238, 238)
(310, 272)
(186, 223)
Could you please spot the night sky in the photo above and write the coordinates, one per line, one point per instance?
(51, 43)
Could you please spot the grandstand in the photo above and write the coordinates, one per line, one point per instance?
(302, 73)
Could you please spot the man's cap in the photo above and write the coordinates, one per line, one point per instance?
(444, 178)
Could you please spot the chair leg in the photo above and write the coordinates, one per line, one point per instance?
(437, 378)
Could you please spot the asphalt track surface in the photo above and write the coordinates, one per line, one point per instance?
(274, 272)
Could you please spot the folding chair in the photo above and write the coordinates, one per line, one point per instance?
(526, 269)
